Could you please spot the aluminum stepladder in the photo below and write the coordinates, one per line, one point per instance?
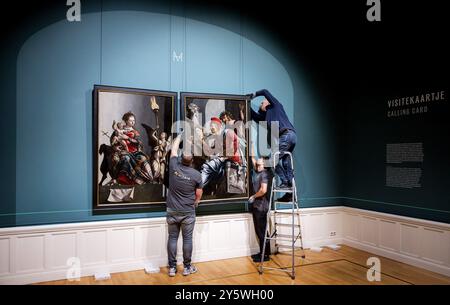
(272, 230)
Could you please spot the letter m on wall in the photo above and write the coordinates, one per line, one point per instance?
(177, 57)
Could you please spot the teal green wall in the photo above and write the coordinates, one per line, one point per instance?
(365, 154)
(336, 101)
(57, 64)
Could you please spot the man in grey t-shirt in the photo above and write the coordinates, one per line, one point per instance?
(260, 207)
(185, 192)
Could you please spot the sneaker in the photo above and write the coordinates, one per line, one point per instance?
(254, 256)
(283, 186)
(172, 271)
(189, 270)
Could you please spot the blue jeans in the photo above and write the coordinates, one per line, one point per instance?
(286, 144)
(185, 222)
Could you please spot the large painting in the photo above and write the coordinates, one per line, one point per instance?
(218, 139)
(132, 138)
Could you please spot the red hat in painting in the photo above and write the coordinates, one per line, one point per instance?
(216, 120)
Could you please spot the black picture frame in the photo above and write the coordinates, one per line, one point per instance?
(222, 205)
(102, 130)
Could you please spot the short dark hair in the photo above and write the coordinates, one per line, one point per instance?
(226, 113)
(186, 159)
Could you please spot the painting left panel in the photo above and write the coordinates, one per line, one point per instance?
(132, 140)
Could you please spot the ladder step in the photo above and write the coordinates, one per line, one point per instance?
(286, 213)
(288, 246)
(287, 224)
(288, 236)
(285, 206)
(280, 238)
(282, 190)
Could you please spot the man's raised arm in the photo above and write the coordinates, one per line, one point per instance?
(272, 99)
(175, 146)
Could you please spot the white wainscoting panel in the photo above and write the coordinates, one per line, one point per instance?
(4, 256)
(433, 247)
(149, 237)
(409, 239)
(351, 226)
(369, 227)
(94, 249)
(62, 247)
(220, 240)
(389, 235)
(40, 253)
(30, 253)
(121, 244)
(413, 241)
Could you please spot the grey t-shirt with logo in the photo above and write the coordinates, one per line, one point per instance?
(258, 179)
(183, 181)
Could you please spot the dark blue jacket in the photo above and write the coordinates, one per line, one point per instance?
(274, 112)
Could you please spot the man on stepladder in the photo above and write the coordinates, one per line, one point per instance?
(271, 110)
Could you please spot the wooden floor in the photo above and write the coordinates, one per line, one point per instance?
(346, 266)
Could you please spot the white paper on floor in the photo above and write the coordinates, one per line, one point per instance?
(316, 249)
(102, 275)
(150, 268)
(333, 247)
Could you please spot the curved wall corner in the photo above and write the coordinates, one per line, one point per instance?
(58, 66)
